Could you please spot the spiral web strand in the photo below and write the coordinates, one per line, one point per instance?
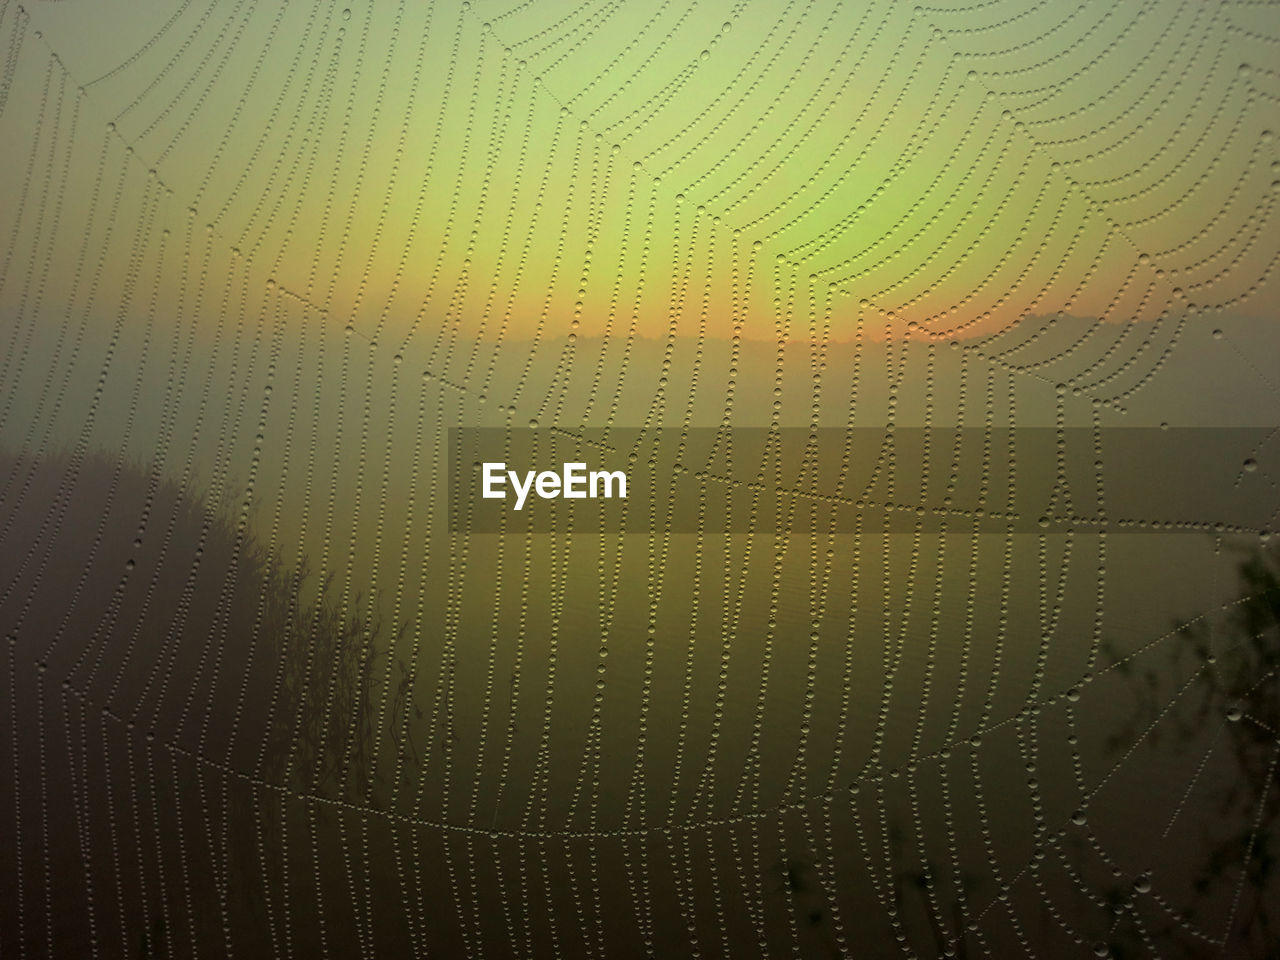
(264, 697)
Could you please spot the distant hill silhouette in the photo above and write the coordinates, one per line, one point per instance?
(172, 682)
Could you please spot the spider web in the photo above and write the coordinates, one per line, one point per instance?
(265, 696)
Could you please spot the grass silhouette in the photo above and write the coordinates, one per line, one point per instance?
(1231, 711)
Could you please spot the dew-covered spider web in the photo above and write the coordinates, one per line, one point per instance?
(941, 618)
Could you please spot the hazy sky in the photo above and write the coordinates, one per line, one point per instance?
(668, 169)
(291, 222)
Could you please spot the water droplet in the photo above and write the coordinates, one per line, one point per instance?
(1078, 818)
(1235, 711)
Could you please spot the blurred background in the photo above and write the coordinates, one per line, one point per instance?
(265, 694)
